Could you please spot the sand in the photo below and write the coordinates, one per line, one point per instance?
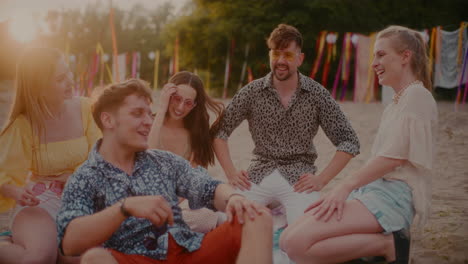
(445, 237)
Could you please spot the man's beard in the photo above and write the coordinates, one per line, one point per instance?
(283, 77)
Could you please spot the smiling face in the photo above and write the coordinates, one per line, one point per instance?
(61, 84)
(182, 102)
(387, 62)
(284, 62)
(131, 122)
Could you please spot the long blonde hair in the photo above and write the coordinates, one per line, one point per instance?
(402, 39)
(34, 80)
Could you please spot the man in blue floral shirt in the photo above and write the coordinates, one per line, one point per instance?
(125, 198)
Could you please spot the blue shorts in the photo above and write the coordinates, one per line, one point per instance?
(390, 201)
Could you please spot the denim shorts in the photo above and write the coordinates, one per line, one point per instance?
(390, 201)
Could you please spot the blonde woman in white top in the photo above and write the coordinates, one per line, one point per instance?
(370, 212)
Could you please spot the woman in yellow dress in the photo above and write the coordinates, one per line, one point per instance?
(48, 134)
(182, 127)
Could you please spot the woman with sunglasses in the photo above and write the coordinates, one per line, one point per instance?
(48, 134)
(182, 126)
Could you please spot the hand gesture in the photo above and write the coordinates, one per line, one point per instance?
(24, 196)
(240, 180)
(154, 208)
(308, 183)
(238, 205)
(330, 203)
(167, 91)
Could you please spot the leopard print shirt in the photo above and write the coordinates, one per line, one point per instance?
(283, 137)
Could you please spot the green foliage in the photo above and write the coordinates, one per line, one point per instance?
(207, 30)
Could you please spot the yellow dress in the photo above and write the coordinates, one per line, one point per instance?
(55, 158)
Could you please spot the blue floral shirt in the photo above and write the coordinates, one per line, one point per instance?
(97, 184)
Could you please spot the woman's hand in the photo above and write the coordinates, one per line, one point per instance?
(238, 205)
(22, 195)
(164, 98)
(330, 203)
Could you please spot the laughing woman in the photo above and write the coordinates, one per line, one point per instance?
(370, 212)
(47, 135)
(182, 127)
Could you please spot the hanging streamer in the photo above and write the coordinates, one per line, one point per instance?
(250, 77)
(227, 71)
(92, 72)
(337, 77)
(460, 43)
(320, 48)
(244, 66)
(136, 64)
(460, 84)
(371, 80)
(346, 64)
(432, 51)
(331, 40)
(114, 43)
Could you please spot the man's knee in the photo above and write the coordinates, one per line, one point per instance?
(97, 255)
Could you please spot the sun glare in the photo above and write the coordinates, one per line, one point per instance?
(22, 28)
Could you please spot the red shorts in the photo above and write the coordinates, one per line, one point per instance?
(220, 245)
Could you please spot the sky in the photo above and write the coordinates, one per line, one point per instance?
(21, 8)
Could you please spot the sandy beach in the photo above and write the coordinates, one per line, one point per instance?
(445, 237)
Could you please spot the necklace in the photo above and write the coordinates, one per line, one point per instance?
(397, 96)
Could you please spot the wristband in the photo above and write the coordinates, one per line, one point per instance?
(123, 210)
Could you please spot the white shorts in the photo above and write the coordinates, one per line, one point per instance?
(274, 187)
(49, 201)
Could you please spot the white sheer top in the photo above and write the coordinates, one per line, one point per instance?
(408, 131)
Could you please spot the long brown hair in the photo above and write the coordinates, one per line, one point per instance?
(402, 39)
(197, 122)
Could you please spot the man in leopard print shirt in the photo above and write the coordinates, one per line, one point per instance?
(284, 110)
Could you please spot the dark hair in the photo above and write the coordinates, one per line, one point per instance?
(282, 35)
(402, 39)
(197, 122)
(112, 97)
